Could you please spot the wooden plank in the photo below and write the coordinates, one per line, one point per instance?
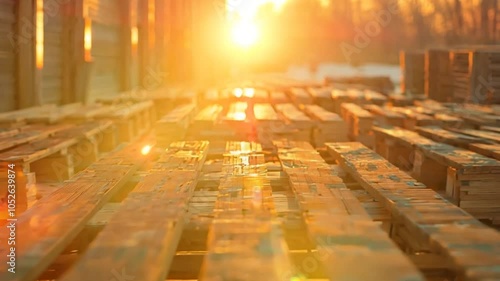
(137, 227)
(492, 136)
(54, 221)
(456, 139)
(174, 125)
(244, 233)
(440, 225)
(489, 150)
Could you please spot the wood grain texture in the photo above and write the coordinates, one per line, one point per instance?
(442, 226)
(141, 238)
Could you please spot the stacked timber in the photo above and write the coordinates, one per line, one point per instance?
(323, 198)
(465, 175)
(438, 75)
(300, 125)
(452, 138)
(359, 123)
(329, 127)
(476, 75)
(413, 68)
(384, 115)
(236, 125)
(173, 126)
(270, 125)
(422, 218)
(491, 136)
(203, 126)
(322, 96)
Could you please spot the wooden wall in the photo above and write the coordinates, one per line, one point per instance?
(67, 75)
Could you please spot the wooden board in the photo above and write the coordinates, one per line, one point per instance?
(354, 237)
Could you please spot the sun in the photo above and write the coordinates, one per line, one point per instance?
(245, 33)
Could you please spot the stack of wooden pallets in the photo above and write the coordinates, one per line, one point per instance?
(173, 126)
(298, 123)
(323, 97)
(329, 127)
(429, 223)
(359, 122)
(438, 76)
(300, 96)
(203, 126)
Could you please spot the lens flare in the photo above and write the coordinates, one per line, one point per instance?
(146, 149)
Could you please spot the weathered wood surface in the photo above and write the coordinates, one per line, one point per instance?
(354, 237)
(439, 225)
(414, 118)
(53, 222)
(245, 241)
(151, 217)
(461, 172)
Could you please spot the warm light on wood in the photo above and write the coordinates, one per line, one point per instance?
(134, 35)
(39, 34)
(87, 40)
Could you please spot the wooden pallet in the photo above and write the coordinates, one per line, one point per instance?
(298, 123)
(491, 136)
(204, 123)
(270, 125)
(456, 139)
(324, 198)
(54, 159)
(359, 122)
(465, 175)
(422, 217)
(490, 150)
(438, 76)
(322, 96)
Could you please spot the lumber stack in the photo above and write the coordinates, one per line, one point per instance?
(438, 75)
(322, 96)
(422, 217)
(329, 127)
(173, 126)
(299, 124)
(359, 123)
(324, 198)
(413, 68)
(203, 126)
(381, 84)
(384, 115)
(236, 123)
